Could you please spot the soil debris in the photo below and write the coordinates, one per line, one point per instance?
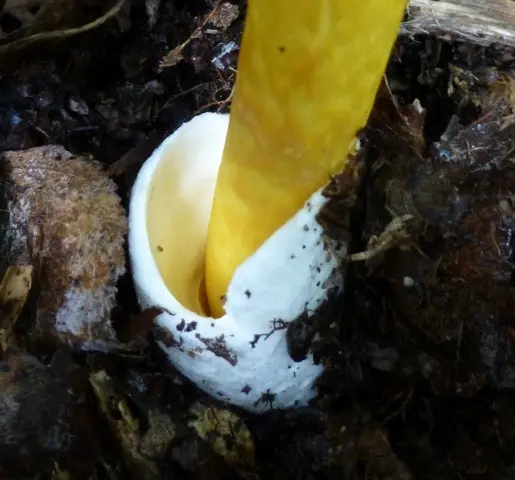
(427, 326)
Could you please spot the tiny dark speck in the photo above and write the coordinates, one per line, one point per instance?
(282, 49)
(212, 324)
(318, 269)
(246, 389)
(303, 247)
(292, 257)
(220, 393)
(159, 248)
(306, 228)
(191, 326)
(318, 284)
(247, 292)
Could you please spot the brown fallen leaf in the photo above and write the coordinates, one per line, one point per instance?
(14, 290)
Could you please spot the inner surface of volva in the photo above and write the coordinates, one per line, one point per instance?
(178, 210)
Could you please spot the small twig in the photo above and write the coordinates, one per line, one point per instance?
(395, 233)
(61, 34)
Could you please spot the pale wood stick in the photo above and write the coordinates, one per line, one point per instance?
(483, 22)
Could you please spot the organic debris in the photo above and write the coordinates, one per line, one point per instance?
(221, 16)
(428, 326)
(152, 438)
(419, 369)
(225, 432)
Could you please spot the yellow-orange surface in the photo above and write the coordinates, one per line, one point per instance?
(307, 77)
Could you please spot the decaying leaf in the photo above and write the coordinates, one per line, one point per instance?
(225, 432)
(67, 221)
(125, 426)
(14, 289)
(503, 87)
(150, 437)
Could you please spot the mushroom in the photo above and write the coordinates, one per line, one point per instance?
(223, 231)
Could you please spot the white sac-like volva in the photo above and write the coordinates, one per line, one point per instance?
(241, 358)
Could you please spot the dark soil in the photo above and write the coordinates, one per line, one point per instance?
(419, 353)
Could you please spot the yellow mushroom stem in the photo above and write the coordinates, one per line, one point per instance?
(307, 77)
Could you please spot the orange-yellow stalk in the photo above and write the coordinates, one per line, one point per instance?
(307, 77)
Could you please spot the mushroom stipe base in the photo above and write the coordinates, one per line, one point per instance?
(241, 358)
